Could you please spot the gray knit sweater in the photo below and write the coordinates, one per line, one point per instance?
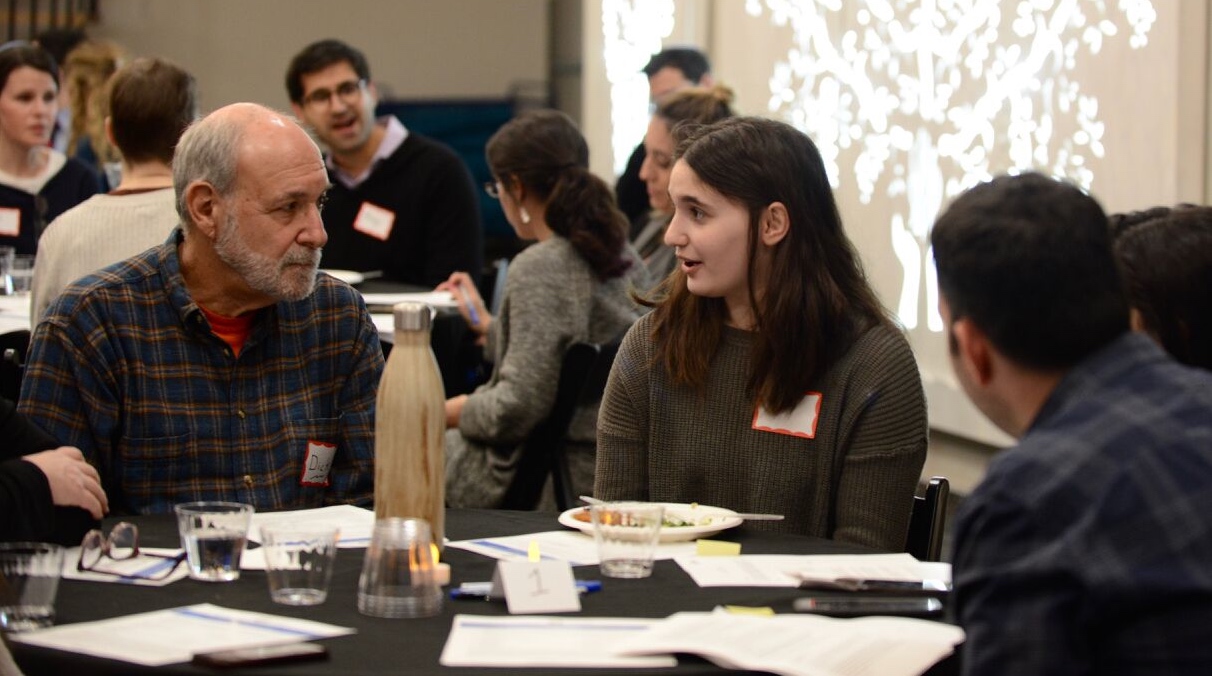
(854, 481)
(552, 300)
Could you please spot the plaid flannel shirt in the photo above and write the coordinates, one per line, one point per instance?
(125, 367)
(1088, 547)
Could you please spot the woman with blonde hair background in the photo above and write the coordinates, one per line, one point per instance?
(572, 286)
(768, 377)
(87, 69)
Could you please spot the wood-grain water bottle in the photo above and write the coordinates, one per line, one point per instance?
(410, 426)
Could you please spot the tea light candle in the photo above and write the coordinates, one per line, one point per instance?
(441, 573)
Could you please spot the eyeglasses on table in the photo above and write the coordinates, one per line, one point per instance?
(122, 544)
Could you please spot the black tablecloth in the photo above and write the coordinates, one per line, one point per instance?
(410, 646)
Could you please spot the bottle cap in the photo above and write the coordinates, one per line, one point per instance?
(412, 316)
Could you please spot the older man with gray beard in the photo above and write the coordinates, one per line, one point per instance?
(220, 365)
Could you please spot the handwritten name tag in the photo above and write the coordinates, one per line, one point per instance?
(374, 221)
(317, 463)
(10, 222)
(798, 422)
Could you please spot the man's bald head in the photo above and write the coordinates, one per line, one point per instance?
(212, 148)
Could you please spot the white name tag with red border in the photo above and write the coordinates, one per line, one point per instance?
(375, 221)
(798, 422)
(10, 222)
(317, 463)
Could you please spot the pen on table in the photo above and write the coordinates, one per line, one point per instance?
(471, 308)
(483, 590)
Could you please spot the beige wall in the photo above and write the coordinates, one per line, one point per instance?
(239, 49)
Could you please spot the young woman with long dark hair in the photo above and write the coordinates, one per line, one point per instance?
(768, 377)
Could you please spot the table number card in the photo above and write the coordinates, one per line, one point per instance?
(536, 587)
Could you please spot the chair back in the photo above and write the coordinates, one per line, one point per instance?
(500, 270)
(929, 520)
(582, 382)
(13, 346)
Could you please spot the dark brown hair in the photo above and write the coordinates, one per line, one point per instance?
(151, 102)
(1165, 261)
(1027, 259)
(544, 152)
(821, 302)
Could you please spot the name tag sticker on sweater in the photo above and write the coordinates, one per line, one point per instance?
(10, 222)
(375, 221)
(317, 463)
(798, 422)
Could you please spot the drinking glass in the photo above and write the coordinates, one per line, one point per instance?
(627, 534)
(299, 561)
(29, 580)
(213, 535)
(398, 572)
(21, 272)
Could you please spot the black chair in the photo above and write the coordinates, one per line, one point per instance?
(582, 382)
(13, 346)
(925, 541)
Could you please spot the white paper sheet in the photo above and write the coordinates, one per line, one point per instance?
(168, 636)
(786, 570)
(540, 641)
(434, 298)
(14, 313)
(356, 524)
(140, 565)
(802, 645)
(577, 548)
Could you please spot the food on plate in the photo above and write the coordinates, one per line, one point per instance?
(672, 519)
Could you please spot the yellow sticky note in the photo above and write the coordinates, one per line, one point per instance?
(717, 548)
(748, 610)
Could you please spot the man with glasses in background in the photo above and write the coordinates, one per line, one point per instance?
(400, 202)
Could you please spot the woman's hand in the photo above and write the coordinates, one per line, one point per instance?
(454, 410)
(471, 306)
(73, 482)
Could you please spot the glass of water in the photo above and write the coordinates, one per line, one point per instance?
(213, 535)
(29, 579)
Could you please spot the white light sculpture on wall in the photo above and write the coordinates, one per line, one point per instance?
(632, 31)
(935, 96)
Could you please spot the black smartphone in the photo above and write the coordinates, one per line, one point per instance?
(269, 654)
(857, 606)
(896, 587)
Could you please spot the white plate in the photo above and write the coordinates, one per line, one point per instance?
(350, 277)
(709, 520)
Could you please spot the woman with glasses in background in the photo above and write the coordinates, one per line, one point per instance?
(572, 286)
(37, 183)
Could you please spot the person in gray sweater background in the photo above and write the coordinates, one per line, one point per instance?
(768, 377)
(572, 286)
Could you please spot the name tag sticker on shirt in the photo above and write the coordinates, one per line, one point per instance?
(10, 222)
(798, 422)
(374, 221)
(317, 463)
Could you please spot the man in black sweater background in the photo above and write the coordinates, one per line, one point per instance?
(400, 203)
